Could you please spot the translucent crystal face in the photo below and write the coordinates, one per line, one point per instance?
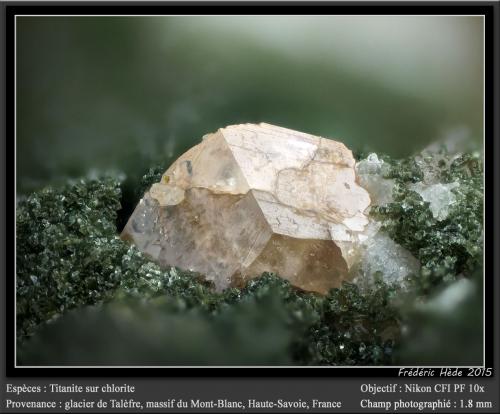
(439, 196)
(370, 175)
(255, 198)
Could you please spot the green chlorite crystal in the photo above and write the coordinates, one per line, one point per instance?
(73, 270)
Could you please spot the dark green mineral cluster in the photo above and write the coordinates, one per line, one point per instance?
(448, 247)
(86, 297)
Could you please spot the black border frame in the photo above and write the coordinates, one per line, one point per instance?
(487, 9)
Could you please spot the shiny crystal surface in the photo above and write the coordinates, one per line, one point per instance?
(254, 198)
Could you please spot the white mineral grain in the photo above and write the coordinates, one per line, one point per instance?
(370, 172)
(379, 253)
(451, 298)
(439, 196)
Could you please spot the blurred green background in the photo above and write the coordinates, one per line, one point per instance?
(127, 92)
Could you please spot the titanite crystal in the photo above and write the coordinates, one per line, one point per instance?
(254, 198)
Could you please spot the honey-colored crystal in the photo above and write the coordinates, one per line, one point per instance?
(255, 198)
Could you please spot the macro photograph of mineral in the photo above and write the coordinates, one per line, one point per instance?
(271, 191)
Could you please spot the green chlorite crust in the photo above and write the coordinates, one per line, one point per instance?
(79, 285)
